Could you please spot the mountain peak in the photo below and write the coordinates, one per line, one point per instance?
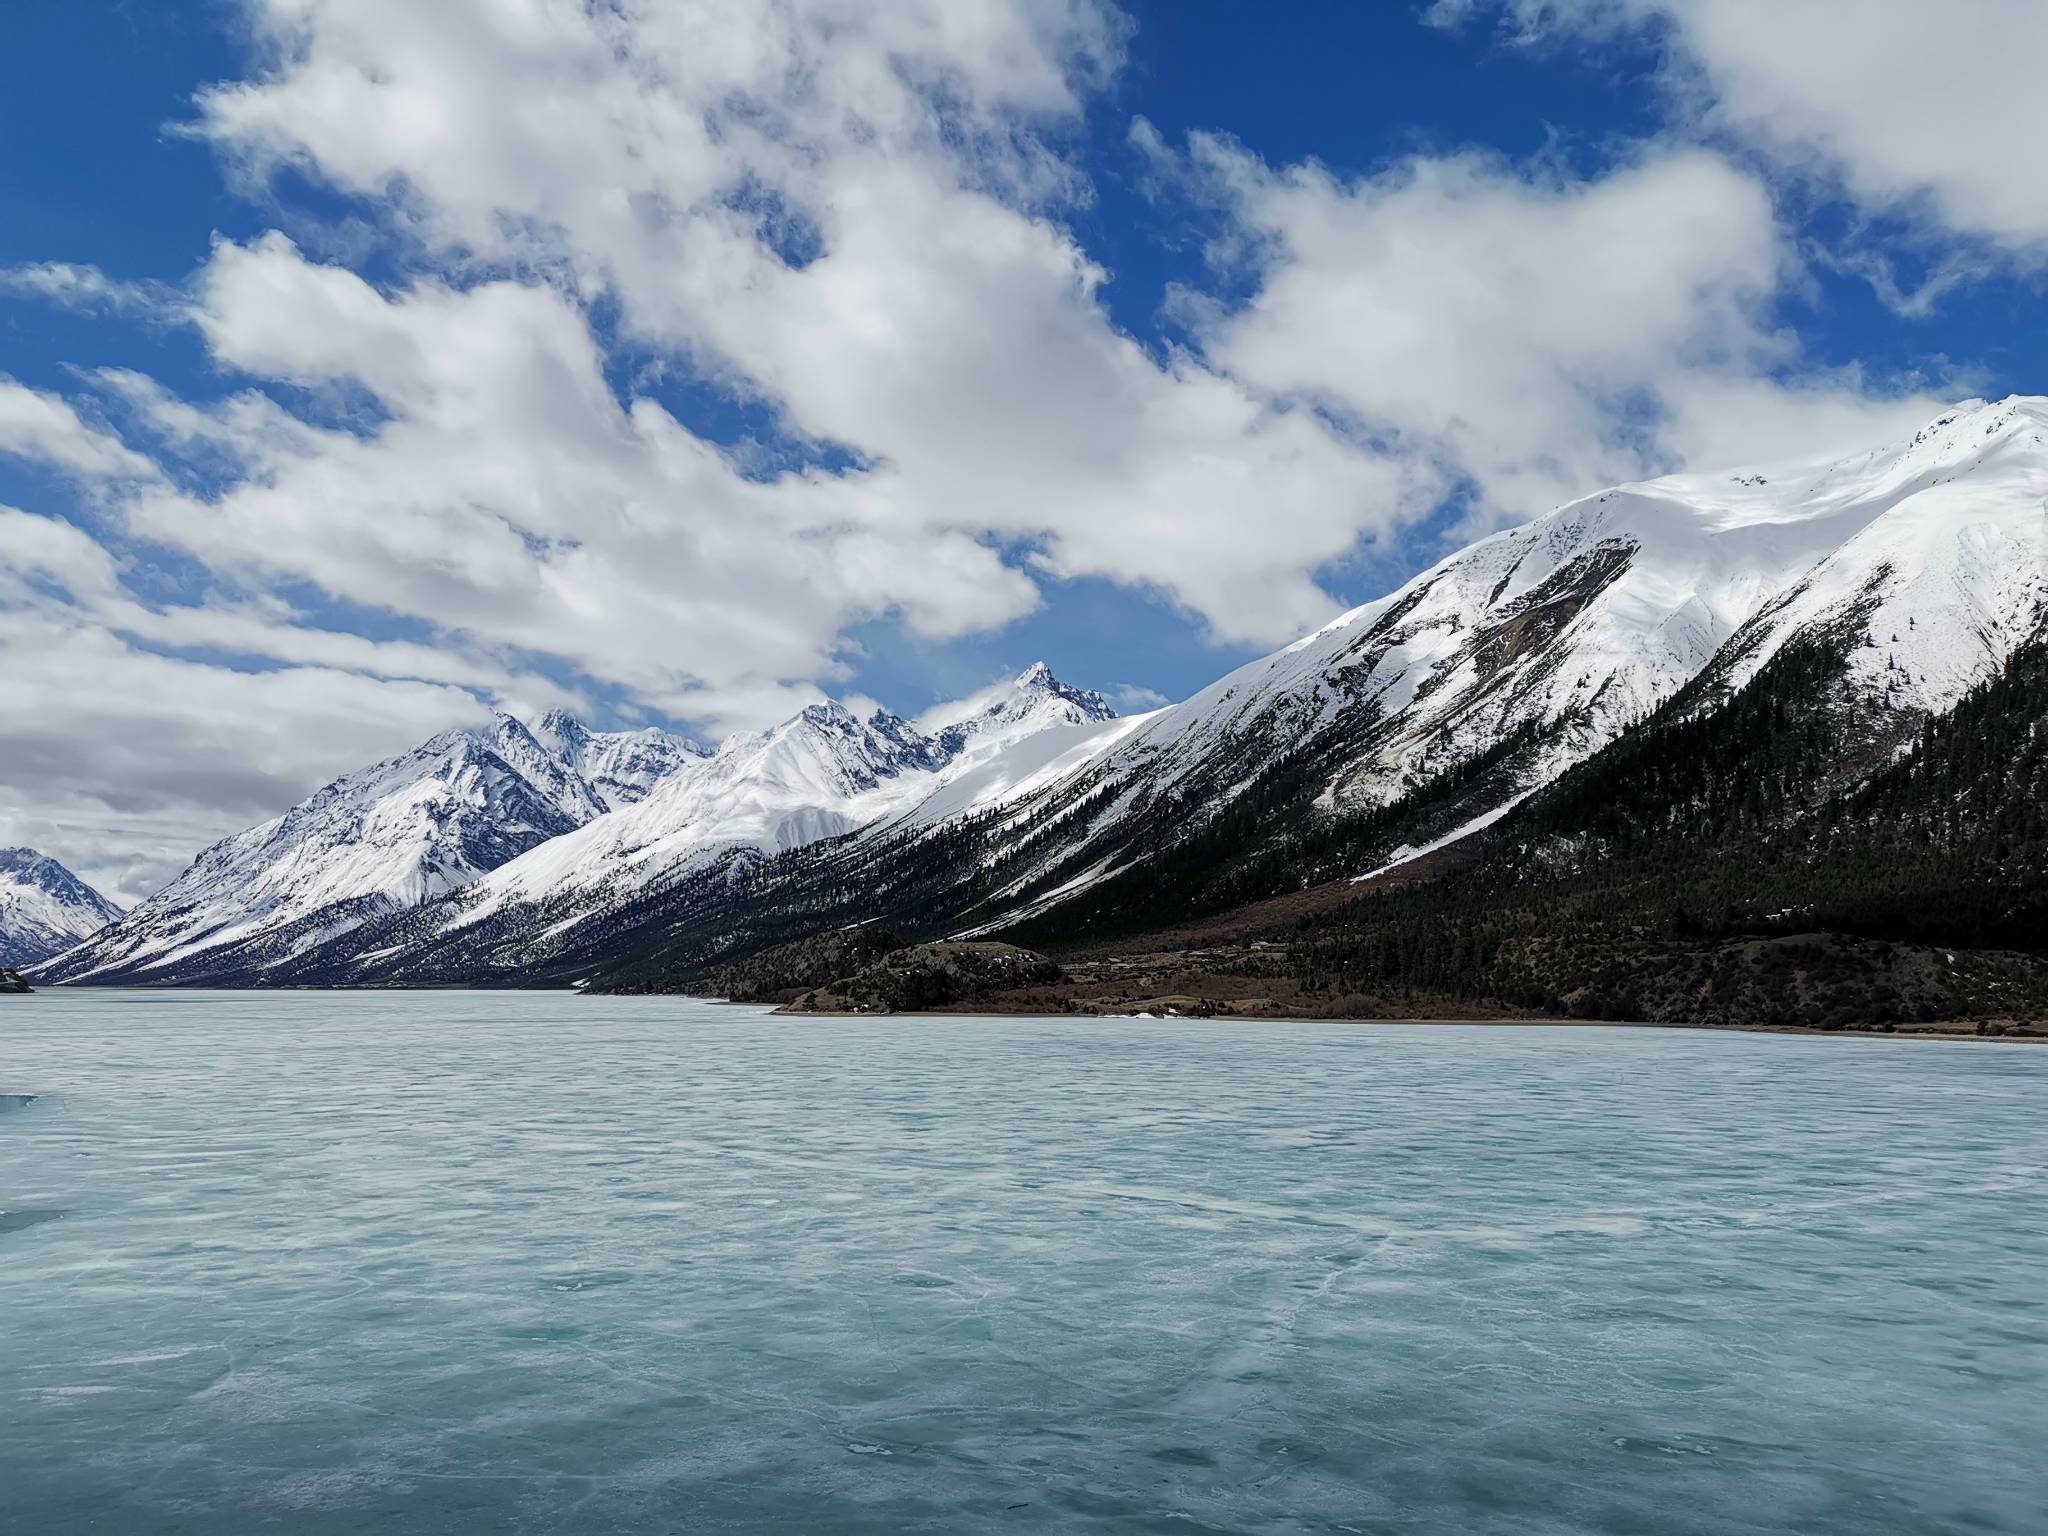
(44, 908)
(829, 714)
(1028, 703)
(1038, 681)
(381, 839)
(561, 730)
(35, 866)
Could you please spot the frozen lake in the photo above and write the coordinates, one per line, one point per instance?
(452, 1262)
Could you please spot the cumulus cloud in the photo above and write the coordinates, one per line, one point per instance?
(46, 428)
(849, 222)
(1926, 110)
(839, 210)
(503, 493)
(1536, 333)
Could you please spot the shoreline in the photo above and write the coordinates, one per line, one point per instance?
(2028, 1035)
(2011, 1032)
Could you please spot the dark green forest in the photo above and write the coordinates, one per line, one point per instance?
(1743, 863)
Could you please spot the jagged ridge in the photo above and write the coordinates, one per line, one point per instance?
(384, 838)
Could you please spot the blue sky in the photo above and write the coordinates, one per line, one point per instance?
(368, 367)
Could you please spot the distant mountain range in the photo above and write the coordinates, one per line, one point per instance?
(1448, 716)
(477, 830)
(385, 838)
(44, 908)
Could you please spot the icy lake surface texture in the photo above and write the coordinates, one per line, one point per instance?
(454, 1262)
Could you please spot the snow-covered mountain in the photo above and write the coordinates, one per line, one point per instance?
(1521, 654)
(1030, 703)
(619, 766)
(1942, 570)
(384, 838)
(1492, 672)
(823, 774)
(1543, 642)
(820, 774)
(44, 908)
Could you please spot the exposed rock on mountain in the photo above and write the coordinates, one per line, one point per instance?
(380, 840)
(44, 908)
(1749, 863)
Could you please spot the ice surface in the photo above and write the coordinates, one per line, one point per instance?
(15, 1221)
(453, 1262)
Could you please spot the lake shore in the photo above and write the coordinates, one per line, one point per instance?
(1956, 1030)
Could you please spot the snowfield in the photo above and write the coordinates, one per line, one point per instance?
(44, 908)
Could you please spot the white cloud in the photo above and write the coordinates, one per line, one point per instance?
(47, 429)
(49, 550)
(125, 762)
(835, 208)
(74, 285)
(1933, 110)
(1135, 698)
(847, 217)
(1538, 333)
(505, 495)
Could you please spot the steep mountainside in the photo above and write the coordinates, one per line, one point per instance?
(382, 839)
(1033, 702)
(1714, 867)
(819, 777)
(1430, 714)
(1888, 585)
(44, 908)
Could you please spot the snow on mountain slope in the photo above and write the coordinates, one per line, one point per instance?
(1570, 627)
(820, 775)
(1526, 652)
(1032, 702)
(44, 908)
(384, 838)
(1947, 578)
(621, 766)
